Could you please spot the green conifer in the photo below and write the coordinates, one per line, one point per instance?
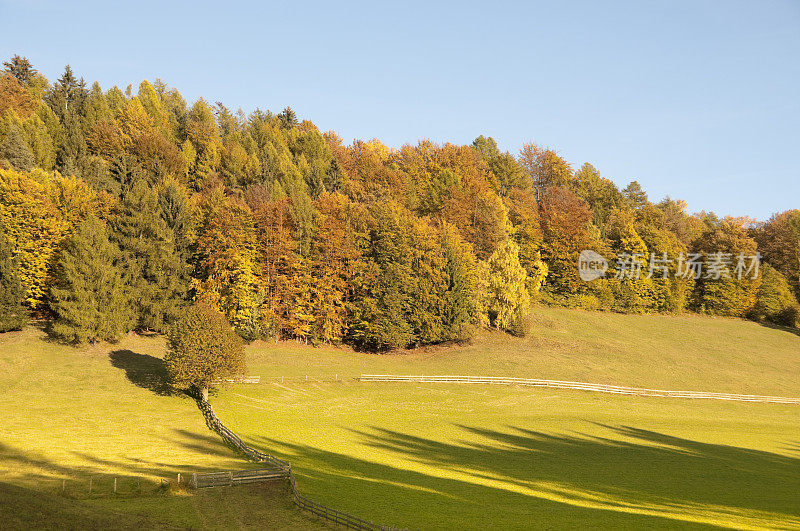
(12, 312)
(154, 269)
(88, 295)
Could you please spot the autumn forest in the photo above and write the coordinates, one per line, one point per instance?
(118, 207)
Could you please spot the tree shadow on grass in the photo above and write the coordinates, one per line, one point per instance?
(782, 328)
(144, 371)
(628, 477)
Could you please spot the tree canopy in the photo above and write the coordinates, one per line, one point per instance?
(123, 206)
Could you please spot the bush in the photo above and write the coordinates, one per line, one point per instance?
(775, 302)
(789, 316)
(521, 325)
(202, 348)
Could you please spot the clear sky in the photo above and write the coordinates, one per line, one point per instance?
(694, 99)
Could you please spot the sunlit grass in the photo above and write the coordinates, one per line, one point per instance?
(669, 352)
(447, 456)
(423, 456)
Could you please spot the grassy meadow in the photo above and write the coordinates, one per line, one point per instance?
(417, 455)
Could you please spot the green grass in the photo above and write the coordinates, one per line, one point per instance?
(422, 456)
(103, 412)
(669, 352)
(448, 456)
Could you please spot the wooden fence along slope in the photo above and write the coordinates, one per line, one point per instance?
(278, 469)
(558, 384)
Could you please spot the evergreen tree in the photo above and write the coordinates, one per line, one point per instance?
(775, 302)
(383, 283)
(67, 95)
(15, 151)
(88, 295)
(154, 269)
(12, 311)
(719, 291)
(636, 197)
(176, 211)
(20, 68)
(288, 118)
(461, 296)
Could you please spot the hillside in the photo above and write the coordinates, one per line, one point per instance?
(105, 411)
(669, 352)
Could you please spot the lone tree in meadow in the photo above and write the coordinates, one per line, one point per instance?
(202, 348)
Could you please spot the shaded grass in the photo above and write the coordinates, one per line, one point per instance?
(265, 506)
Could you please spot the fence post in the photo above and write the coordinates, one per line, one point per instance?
(63, 486)
(115, 485)
(90, 485)
(230, 476)
(179, 478)
(194, 479)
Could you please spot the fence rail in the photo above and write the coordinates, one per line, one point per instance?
(237, 477)
(582, 386)
(280, 469)
(239, 380)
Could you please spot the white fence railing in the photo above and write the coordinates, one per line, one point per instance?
(581, 386)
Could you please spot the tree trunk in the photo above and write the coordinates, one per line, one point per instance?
(204, 390)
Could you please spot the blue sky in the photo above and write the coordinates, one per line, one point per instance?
(697, 99)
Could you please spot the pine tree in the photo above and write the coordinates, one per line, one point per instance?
(775, 302)
(176, 211)
(154, 269)
(20, 68)
(88, 295)
(461, 297)
(288, 118)
(67, 95)
(12, 311)
(383, 282)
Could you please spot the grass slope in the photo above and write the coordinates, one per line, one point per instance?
(668, 352)
(104, 412)
(426, 456)
(446, 456)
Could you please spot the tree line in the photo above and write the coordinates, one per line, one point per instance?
(120, 207)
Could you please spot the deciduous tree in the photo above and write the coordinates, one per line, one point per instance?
(202, 349)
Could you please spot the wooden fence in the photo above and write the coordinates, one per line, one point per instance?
(582, 386)
(239, 380)
(237, 477)
(279, 469)
(338, 517)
